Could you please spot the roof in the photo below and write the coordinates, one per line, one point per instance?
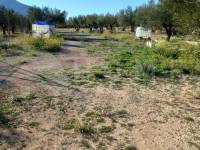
(39, 22)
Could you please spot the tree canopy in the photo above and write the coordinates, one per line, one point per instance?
(47, 14)
(178, 17)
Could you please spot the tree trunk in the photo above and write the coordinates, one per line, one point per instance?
(123, 28)
(111, 27)
(77, 29)
(168, 29)
(101, 29)
(8, 31)
(4, 30)
(132, 28)
(90, 29)
(13, 29)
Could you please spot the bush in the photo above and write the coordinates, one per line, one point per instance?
(2, 52)
(52, 44)
(86, 129)
(7, 112)
(130, 148)
(37, 43)
(106, 129)
(179, 56)
(167, 50)
(107, 35)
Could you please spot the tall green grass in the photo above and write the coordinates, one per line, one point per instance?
(164, 60)
(52, 44)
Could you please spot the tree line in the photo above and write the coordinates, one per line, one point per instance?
(55, 16)
(175, 17)
(10, 21)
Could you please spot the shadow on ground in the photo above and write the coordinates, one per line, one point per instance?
(72, 34)
(14, 72)
(9, 136)
(72, 45)
(84, 39)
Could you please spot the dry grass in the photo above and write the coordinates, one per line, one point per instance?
(52, 44)
(162, 115)
(125, 37)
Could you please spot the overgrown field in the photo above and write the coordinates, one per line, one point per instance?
(52, 44)
(24, 44)
(128, 57)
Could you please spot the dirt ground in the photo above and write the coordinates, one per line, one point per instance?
(160, 116)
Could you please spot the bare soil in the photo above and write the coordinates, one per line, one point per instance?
(160, 116)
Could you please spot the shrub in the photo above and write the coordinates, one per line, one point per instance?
(189, 119)
(130, 148)
(167, 50)
(24, 40)
(71, 124)
(106, 129)
(10, 49)
(86, 129)
(7, 113)
(120, 60)
(107, 35)
(85, 143)
(2, 52)
(52, 44)
(146, 69)
(33, 124)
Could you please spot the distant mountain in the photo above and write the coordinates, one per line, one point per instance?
(16, 6)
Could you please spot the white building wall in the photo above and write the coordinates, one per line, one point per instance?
(45, 31)
(142, 32)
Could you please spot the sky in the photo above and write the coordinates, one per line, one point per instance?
(84, 7)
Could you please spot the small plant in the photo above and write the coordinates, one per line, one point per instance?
(7, 112)
(85, 143)
(99, 76)
(106, 129)
(22, 62)
(94, 118)
(71, 124)
(131, 148)
(30, 97)
(122, 114)
(102, 146)
(49, 101)
(189, 119)
(33, 124)
(90, 114)
(100, 119)
(20, 99)
(86, 129)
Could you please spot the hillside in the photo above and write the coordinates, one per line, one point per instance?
(15, 5)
